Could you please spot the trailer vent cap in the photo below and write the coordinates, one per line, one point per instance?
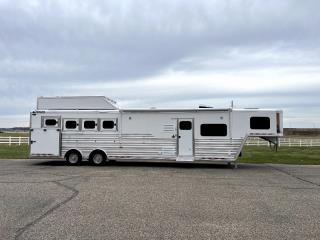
(205, 106)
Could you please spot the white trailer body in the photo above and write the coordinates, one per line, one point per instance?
(88, 128)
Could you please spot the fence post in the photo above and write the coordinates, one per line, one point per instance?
(19, 141)
(311, 143)
(9, 140)
(300, 142)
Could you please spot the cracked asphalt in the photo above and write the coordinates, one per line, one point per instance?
(41, 199)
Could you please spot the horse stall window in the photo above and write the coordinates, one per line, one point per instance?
(108, 124)
(185, 125)
(214, 130)
(50, 122)
(260, 123)
(89, 124)
(71, 124)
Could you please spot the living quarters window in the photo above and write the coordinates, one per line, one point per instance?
(260, 123)
(108, 124)
(89, 124)
(185, 125)
(214, 130)
(71, 124)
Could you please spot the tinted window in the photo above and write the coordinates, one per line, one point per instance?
(260, 123)
(213, 130)
(89, 124)
(51, 122)
(185, 125)
(71, 124)
(108, 124)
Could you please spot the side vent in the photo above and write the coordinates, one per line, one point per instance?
(168, 128)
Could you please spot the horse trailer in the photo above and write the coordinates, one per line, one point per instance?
(93, 128)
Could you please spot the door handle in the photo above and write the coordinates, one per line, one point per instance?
(31, 141)
(179, 136)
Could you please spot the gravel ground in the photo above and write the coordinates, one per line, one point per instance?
(41, 199)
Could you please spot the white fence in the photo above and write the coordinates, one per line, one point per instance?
(14, 140)
(287, 142)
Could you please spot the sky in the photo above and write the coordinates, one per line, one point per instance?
(162, 53)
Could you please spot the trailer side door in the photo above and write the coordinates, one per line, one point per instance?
(185, 137)
(45, 135)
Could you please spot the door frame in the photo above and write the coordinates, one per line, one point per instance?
(44, 128)
(192, 135)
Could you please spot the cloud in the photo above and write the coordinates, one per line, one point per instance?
(160, 52)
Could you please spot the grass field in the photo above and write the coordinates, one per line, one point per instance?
(14, 134)
(250, 154)
(284, 155)
(14, 151)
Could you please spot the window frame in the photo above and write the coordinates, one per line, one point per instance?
(71, 129)
(44, 118)
(89, 129)
(215, 136)
(115, 127)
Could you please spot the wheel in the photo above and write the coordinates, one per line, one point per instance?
(98, 158)
(73, 158)
(233, 166)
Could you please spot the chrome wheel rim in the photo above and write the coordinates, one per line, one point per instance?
(73, 158)
(97, 159)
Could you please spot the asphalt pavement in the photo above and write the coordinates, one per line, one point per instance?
(46, 199)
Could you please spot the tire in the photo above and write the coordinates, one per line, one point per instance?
(98, 158)
(73, 158)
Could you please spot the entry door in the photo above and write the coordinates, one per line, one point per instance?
(185, 137)
(46, 140)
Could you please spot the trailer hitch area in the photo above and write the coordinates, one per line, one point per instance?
(273, 142)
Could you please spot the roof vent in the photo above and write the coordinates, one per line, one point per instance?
(205, 106)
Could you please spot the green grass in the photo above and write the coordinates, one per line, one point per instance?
(14, 151)
(14, 134)
(284, 155)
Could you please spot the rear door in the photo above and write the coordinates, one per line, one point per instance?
(45, 140)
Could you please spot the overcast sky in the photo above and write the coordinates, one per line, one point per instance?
(171, 53)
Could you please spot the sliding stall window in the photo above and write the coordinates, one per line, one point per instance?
(89, 124)
(108, 124)
(71, 124)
